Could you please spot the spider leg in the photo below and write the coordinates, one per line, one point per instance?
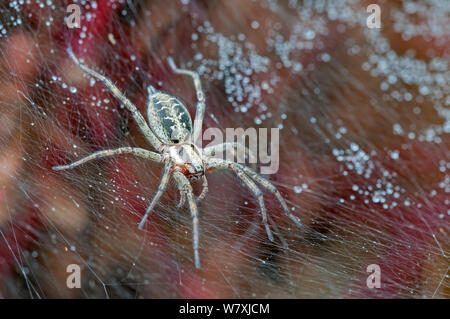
(161, 188)
(185, 187)
(271, 188)
(221, 164)
(204, 189)
(140, 152)
(259, 196)
(182, 200)
(255, 191)
(235, 146)
(200, 112)
(137, 116)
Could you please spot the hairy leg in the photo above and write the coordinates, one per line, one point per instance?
(215, 163)
(255, 191)
(137, 116)
(185, 187)
(259, 196)
(161, 188)
(204, 189)
(238, 147)
(140, 152)
(200, 112)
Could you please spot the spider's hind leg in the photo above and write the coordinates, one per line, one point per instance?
(200, 112)
(215, 163)
(137, 116)
(271, 188)
(238, 169)
(140, 152)
(259, 196)
(231, 148)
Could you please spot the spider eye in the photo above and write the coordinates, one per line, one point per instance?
(176, 141)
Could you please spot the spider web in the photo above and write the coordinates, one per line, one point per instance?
(364, 153)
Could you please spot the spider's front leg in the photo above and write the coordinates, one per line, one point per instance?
(185, 187)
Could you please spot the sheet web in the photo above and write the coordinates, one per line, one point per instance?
(364, 157)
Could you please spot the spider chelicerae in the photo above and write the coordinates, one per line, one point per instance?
(170, 131)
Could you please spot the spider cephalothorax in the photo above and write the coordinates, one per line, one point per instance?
(187, 159)
(170, 131)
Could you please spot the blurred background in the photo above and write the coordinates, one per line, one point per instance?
(364, 119)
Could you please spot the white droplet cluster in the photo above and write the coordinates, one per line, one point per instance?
(408, 79)
(301, 38)
(355, 159)
(422, 19)
(236, 65)
(384, 191)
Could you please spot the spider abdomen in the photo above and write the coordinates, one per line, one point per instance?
(169, 118)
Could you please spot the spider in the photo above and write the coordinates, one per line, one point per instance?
(170, 131)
